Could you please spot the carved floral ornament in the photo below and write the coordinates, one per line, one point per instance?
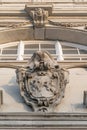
(42, 82)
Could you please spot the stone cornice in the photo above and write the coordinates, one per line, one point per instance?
(40, 121)
(65, 64)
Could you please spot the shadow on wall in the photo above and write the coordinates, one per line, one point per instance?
(12, 92)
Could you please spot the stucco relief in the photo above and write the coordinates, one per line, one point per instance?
(42, 82)
(40, 17)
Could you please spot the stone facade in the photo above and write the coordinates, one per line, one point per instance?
(63, 23)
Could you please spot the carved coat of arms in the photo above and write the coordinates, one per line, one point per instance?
(42, 82)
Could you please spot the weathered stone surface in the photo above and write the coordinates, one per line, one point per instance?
(39, 33)
(16, 35)
(42, 82)
(51, 33)
(39, 17)
(70, 104)
(62, 33)
(39, 14)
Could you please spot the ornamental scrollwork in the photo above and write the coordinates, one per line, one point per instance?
(42, 82)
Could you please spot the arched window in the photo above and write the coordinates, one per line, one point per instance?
(60, 50)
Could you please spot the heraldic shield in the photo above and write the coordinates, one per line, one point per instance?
(42, 82)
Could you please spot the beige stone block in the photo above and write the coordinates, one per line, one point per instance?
(16, 35)
(66, 34)
(39, 33)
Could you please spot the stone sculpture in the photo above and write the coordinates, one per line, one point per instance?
(42, 82)
(39, 16)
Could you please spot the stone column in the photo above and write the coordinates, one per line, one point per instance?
(20, 51)
(1, 97)
(85, 99)
(59, 51)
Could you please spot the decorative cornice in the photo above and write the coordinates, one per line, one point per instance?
(67, 24)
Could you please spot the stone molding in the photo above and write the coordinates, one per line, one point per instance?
(47, 7)
(48, 33)
(65, 64)
(40, 121)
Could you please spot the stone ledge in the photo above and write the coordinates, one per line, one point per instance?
(65, 64)
(13, 13)
(43, 121)
(47, 7)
